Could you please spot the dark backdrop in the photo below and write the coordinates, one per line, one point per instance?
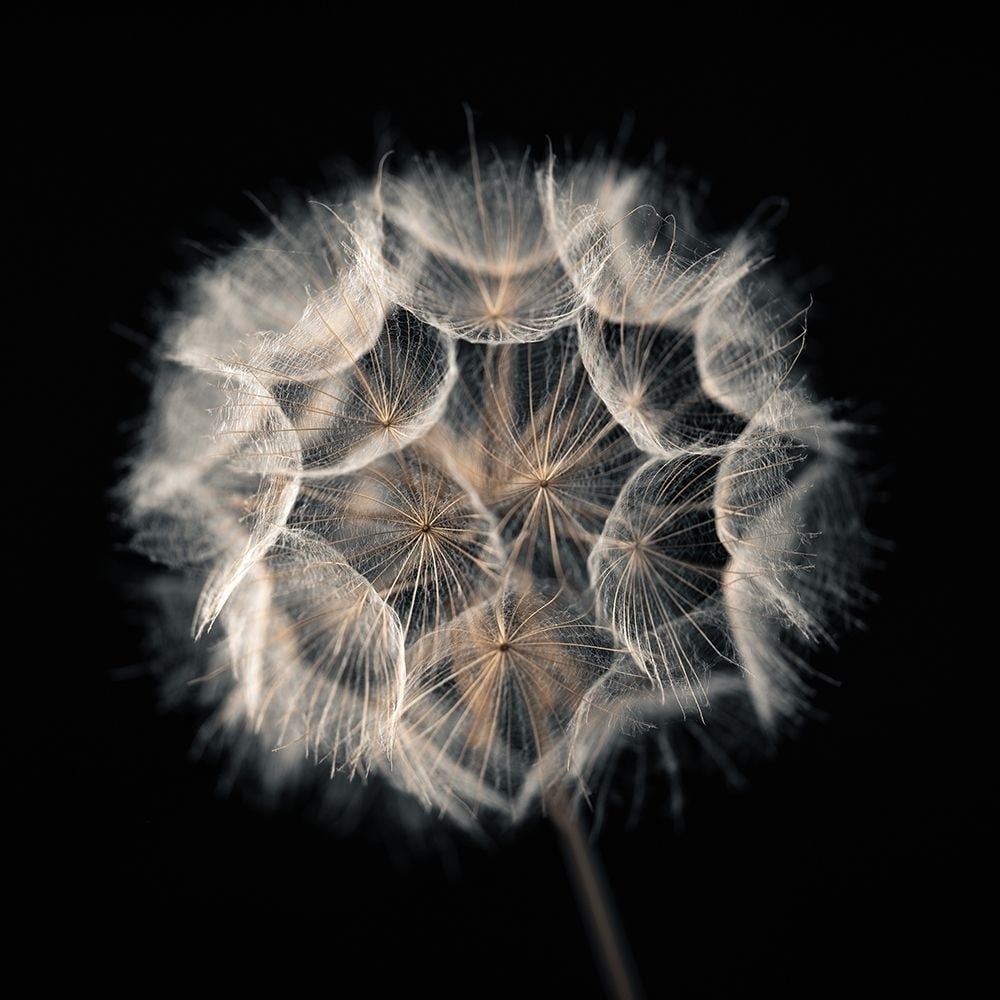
(840, 865)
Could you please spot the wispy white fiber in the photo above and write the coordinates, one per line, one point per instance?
(487, 473)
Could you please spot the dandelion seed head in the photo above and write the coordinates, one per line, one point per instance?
(489, 472)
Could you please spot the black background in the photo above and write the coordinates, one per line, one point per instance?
(842, 863)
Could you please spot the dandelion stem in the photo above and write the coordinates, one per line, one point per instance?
(596, 902)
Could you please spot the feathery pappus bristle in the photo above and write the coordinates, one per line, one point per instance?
(491, 473)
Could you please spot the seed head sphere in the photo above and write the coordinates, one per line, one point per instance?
(482, 471)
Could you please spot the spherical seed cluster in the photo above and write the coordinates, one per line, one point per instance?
(485, 472)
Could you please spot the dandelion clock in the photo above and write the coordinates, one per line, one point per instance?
(484, 473)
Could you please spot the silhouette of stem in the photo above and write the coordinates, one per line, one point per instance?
(595, 900)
